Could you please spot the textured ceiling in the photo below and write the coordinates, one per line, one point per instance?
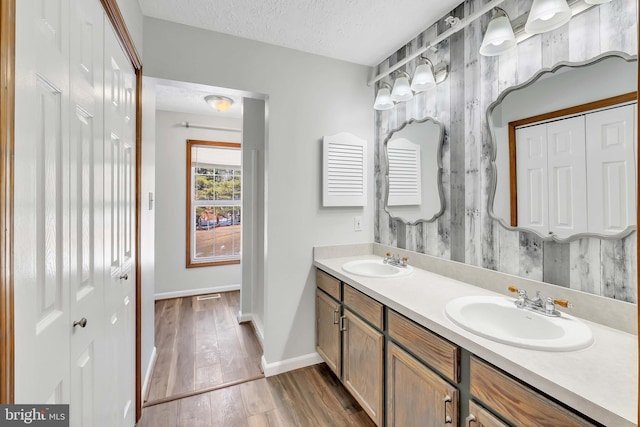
(189, 98)
(360, 31)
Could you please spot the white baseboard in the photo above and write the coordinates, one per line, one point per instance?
(147, 376)
(244, 317)
(257, 325)
(271, 369)
(193, 292)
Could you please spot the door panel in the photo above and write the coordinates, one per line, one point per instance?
(41, 242)
(532, 178)
(86, 201)
(612, 172)
(119, 188)
(567, 176)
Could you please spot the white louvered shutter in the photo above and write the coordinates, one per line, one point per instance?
(344, 170)
(405, 180)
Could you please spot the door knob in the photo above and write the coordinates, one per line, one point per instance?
(124, 276)
(82, 322)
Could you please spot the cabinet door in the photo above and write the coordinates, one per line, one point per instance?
(362, 369)
(328, 330)
(416, 395)
(480, 417)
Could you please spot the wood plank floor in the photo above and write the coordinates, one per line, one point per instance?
(200, 345)
(307, 397)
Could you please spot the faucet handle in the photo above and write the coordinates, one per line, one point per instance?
(563, 303)
(513, 289)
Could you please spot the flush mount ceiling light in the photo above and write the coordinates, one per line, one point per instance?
(423, 78)
(401, 89)
(547, 15)
(219, 103)
(383, 99)
(499, 37)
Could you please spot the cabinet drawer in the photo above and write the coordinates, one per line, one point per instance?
(480, 417)
(368, 308)
(329, 284)
(432, 349)
(516, 402)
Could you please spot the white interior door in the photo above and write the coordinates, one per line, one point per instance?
(86, 231)
(119, 291)
(567, 177)
(531, 160)
(612, 171)
(42, 243)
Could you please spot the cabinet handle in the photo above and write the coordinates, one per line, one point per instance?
(471, 419)
(336, 319)
(343, 324)
(447, 418)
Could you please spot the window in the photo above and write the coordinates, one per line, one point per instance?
(214, 202)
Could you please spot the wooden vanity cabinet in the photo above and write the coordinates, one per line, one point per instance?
(328, 312)
(352, 348)
(518, 403)
(416, 395)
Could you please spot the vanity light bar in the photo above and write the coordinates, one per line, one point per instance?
(577, 7)
(457, 26)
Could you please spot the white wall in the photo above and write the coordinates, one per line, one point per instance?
(132, 15)
(172, 276)
(147, 224)
(308, 96)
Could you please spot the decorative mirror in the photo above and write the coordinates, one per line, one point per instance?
(564, 167)
(413, 171)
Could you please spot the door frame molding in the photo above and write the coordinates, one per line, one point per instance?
(7, 141)
(7, 114)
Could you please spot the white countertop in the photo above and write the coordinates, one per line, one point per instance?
(600, 381)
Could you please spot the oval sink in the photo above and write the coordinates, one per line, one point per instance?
(375, 268)
(497, 318)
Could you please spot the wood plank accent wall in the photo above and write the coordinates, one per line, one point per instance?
(7, 102)
(466, 232)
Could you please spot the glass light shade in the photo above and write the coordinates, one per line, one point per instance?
(383, 99)
(596, 1)
(499, 37)
(423, 78)
(547, 15)
(219, 103)
(401, 90)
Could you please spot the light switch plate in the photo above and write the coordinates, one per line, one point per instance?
(357, 223)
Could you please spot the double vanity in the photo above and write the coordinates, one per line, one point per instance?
(442, 343)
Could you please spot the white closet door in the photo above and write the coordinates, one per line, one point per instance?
(567, 177)
(41, 243)
(531, 170)
(119, 173)
(612, 171)
(86, 231)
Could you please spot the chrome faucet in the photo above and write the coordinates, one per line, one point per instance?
(395, 260)
(548, 308)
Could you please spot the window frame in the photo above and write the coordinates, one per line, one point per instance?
(190, 226)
